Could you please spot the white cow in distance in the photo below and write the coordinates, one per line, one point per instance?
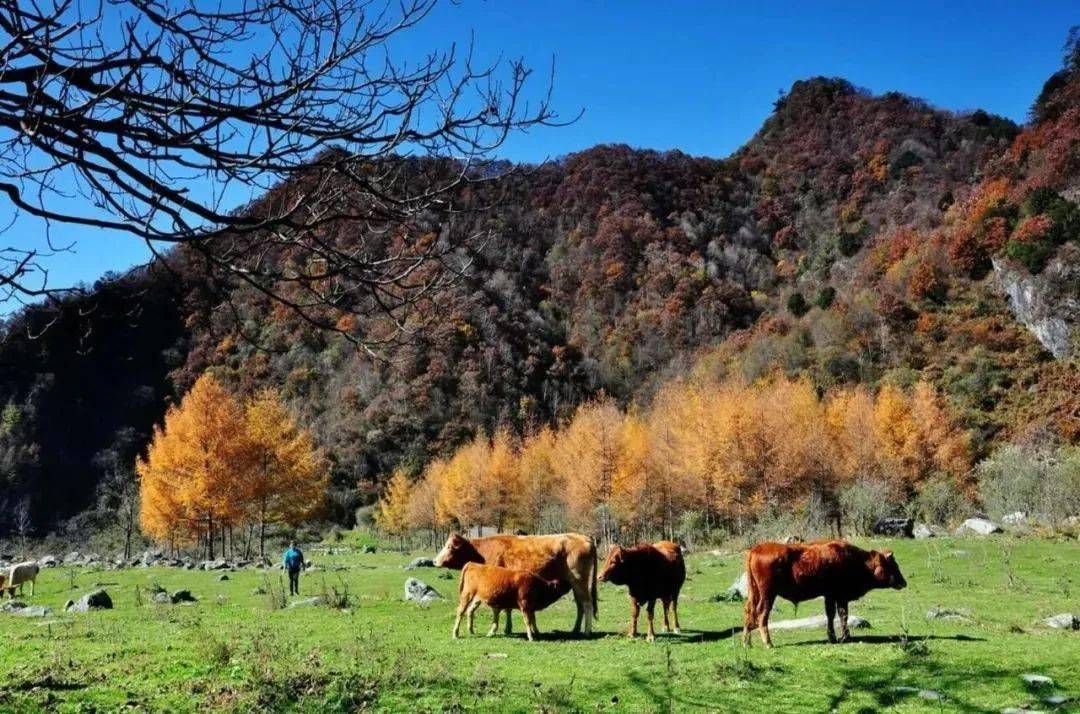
(17, 575)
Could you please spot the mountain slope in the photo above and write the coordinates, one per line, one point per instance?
(845, 241)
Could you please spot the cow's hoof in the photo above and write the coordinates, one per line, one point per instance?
(650, 638)
(678, 631)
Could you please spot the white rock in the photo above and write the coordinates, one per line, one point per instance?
(1016, 518)
(1037, 680)
(981, 526)
(817, 621)
(1064, 621)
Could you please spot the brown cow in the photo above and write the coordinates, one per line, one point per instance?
(835, 570)
(649, 572)
(568, 557)
(504, 589)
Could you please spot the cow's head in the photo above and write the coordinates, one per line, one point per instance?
(886, 571)
(614, 570)
(456, 553)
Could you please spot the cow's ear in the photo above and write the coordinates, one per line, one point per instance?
(616, 554)
(887, 554)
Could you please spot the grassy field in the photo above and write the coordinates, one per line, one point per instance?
(233, 650)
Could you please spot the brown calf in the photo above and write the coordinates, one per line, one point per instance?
(649, 572)
(835, 570)
(503, 589)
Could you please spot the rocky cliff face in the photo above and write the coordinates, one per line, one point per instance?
(1048, 304)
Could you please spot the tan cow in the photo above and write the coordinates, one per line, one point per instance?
(569, 557)
(21, 573)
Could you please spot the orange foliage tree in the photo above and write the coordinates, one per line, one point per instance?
(216, 463)
(289, 476)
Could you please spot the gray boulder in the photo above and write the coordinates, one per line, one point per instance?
(741, 585)
(1064, 621)
(222, 578)
(1037, 680)
(368, 549)
(817, 622)
(21, 609)
(894, 527)
(949, 614)
(1016, 518)
(219, 564)
(420, 592)
(792, 539)
(96, 600)
(182, 596)
(921, 530)
(980, 526)
(420, 563)
(161, 598)
(48, 561)
(308, 602)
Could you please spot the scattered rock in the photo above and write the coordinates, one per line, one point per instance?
(497, 655)
(21, 609)
(182, 596)
(161, 598)
(729, 595)
(1016, 518)
(1037, 680)
(219, 564)
(921, 530)
(741, 585)
(927, 694)
(48, 561)
(308, 602)
(792, 539)
(368, 549)
(1056, 700)
(894, 527)
(980, 526)
(817, 621)
(420, 563)
(420, 592)
(1064, 621)
(956, 553)
(1021, 710)
(223, 577)
(949, 614)
(96, 600)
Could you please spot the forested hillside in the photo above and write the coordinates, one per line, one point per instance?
(854, 240)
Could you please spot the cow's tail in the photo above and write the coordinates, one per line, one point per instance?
(753, 593)
(595, 572)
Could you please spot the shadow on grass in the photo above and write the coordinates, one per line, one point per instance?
(886, 640)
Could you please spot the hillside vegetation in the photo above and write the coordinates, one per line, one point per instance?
(854, 241)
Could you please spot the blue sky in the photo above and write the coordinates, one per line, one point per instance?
(702, 76)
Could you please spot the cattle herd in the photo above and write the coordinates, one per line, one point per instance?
(529, 573)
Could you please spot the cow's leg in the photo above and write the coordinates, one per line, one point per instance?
(509, 630)
(830, 613)
(635, 610)
(495, 622)
(579, 600)
(33, 586)
(765, 606)
(675, 612)
(532, 623)
(463, 603)
(472, 614)
(649, 607)
(528, 624)
(666, 602)
(841, 609)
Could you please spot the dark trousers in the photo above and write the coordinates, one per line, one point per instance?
(294, 582)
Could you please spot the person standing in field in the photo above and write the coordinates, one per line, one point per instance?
(294, 563)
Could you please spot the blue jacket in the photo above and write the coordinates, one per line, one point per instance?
(294, 559)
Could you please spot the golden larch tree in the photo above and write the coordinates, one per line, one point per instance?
(194, 472)
(393, 512)
(289, 476)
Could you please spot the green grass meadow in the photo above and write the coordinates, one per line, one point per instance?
(233, 651)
